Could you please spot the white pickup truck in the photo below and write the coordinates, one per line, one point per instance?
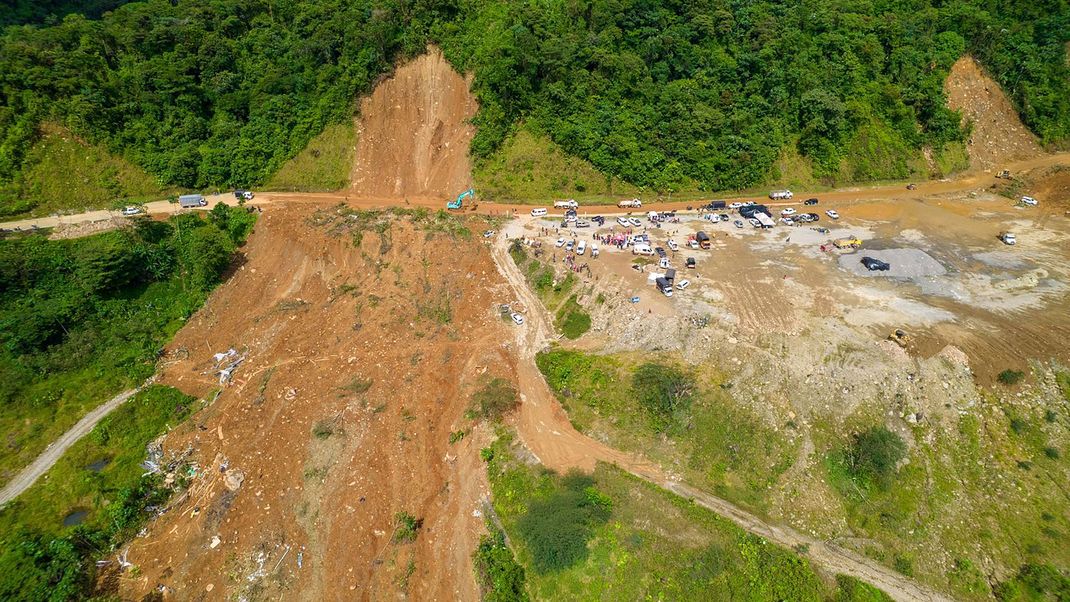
(632, 204)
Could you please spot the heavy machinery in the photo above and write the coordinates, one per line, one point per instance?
(847, 243)
(456, 204)
(900, 337)
(1004, 174)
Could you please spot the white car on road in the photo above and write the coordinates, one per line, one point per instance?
(131, 210)
(672, 245)
(1028, 200)
(683, 284)
(788, 211)
(518, 319)
(832, 214)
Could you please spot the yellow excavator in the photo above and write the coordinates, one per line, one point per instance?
(900, 337)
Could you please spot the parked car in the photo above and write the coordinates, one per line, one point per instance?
(672, 245)
(1008, 238)
(735, 205)
(243, 195)
(832, 214)
(690, 262)
(582, 224)
(1028, 200)
(788, 211)
(634, 221)
(724, 217)
(488, 234)
(518, 319)
(560, 242)
(738, 223)
(598, 219)
(623, 221)
(810, 202)
(692, 243)
(569, 245)
(581, 248)
(683, 284)
(787, 221)
(538, 212)
(660, 251)
(131, 210)
(754, 222)
(912, 186)
(663, 263)
(875, 265)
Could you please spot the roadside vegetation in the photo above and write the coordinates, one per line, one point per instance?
(82, 319)
(936, 500)
(90, 502)
(62, 173)
(591, 537)
(665, 96)
(559, 295)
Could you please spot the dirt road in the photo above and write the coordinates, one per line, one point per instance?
(547, 432)
(849, 195)
(42, 463)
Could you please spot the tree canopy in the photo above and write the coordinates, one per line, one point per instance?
(215, 93)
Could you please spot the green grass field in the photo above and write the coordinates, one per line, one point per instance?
(323, 166)
(983, 491)
(645, 544)
(62, 173)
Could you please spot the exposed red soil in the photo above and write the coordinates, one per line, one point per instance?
(314, 314)
(998, 133)
(413, 136)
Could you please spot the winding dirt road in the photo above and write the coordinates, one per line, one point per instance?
(43, 462)
(546, 431)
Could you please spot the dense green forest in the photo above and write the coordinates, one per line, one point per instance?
(207, 93)
(82, 319)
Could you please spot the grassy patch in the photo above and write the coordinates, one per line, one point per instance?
(406, 527)
(101, 475)
(720, 446)
(530, 168)
(63, 173)
(323, 165)
(495, 399)
(950, 159)
(500, 576)
(572, 320)
(650, 545)
(1010, 377)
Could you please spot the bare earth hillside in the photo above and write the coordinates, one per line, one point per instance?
(998, 134)
(359, 360)
(414, 133)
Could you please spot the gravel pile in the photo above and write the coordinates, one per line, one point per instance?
(905, 263)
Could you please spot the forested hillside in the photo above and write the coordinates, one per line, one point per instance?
(206, 93)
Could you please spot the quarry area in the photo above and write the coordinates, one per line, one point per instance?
(338, 458)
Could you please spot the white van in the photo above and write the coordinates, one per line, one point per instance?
(569, 204)
(594, 249)
(581, 247)
(642, 249)
(540, 212)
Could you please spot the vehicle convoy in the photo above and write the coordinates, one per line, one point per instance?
(566, 204)
(457, 203)
(632, 204)
(189, 201)
(847, 243)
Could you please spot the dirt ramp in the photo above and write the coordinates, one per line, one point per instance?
(413, 134)
(998, 133)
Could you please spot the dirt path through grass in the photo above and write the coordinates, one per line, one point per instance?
(545, 429)
(43, 462)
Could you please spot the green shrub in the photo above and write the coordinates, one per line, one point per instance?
(556, 529)
(874, 453)
(664, 391)
(1035, 582)
(495, 399)
(1010, 377)
(406, 527)
(572, 320)
(500, 576)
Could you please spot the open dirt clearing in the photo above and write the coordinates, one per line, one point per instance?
(998, 134)
(414, 133)
(358, 364)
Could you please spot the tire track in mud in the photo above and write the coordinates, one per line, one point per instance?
(545, 429)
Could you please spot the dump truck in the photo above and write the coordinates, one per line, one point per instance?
(664, 286)
(703, 239)
(847, 243)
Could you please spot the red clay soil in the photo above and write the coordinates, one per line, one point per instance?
(998, 134)
(359, 363)
(413, 135)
